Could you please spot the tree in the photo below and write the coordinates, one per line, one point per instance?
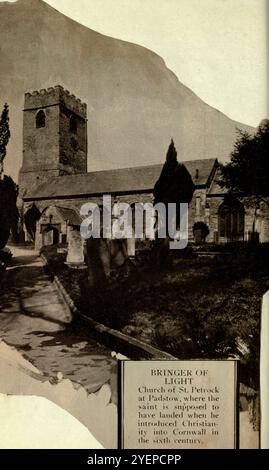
(174, 185)
(30, 219)
(4, 136)
(8, 189)
(247, 173)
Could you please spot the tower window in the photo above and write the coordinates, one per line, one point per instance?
(73, 125)
(40, 119)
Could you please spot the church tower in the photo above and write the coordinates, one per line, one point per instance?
(54, 137)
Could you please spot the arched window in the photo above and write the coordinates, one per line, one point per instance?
(73, 125)
(231, 220)
(40, 119)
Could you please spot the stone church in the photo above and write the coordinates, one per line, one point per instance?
(54, 180)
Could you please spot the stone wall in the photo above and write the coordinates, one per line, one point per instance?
(41, 145)
(258, 219)
(213, 219)
(30, 180)
(197, 210)
(54, 96)
(127, 198)
(72, 145)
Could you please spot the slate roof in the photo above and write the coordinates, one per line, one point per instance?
(215, 188)
(70, 215)
(123, 180)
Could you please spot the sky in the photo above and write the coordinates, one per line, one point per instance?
(215, 47)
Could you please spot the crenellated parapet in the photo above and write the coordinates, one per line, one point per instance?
(55, 96)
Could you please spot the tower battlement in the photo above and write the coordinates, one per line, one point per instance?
(52, 96)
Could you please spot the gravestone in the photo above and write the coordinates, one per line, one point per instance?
(75, 250)
(38, 237)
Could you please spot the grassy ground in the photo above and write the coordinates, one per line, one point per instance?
(196, 308)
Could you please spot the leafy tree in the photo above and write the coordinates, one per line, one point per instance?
(248, 171)
(8, 189)
(4, 136)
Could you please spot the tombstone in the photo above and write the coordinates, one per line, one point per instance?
(75, 250)
(118, 252)
(264, 369)
(131, 247)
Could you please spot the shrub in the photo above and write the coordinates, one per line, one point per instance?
(200, 232)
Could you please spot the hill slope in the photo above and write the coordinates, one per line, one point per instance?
(135, 103)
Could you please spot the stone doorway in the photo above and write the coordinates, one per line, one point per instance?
(51, 235)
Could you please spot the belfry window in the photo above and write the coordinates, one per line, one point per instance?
(40, 119)
(73, 125)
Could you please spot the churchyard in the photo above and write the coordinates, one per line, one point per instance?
(195, 307)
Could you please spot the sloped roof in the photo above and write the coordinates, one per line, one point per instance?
(123, 180)
(70, 215)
